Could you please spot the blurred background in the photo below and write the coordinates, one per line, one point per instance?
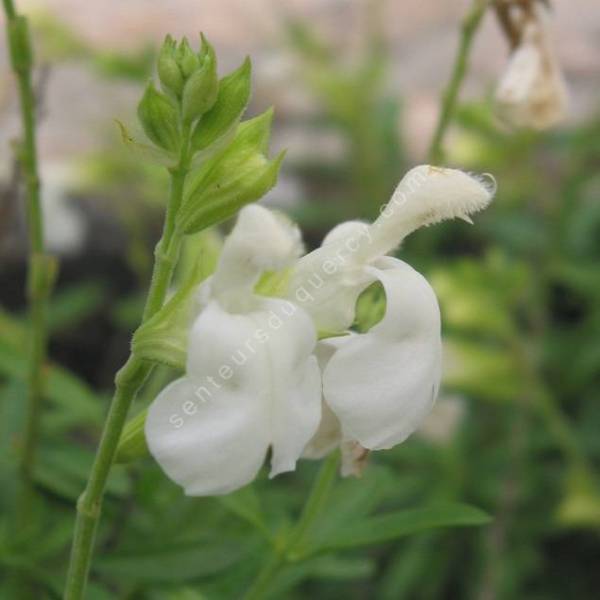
(356, 87)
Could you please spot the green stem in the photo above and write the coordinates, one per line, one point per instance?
(40, 271)
(469, 27)
(128, 382)
(291, 551)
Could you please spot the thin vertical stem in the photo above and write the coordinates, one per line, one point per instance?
(41, 267)
(469, 27)
(128, 382)
(312, 509)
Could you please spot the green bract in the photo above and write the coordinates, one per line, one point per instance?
(235, 176)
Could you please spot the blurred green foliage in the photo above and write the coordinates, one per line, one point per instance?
(520, 296)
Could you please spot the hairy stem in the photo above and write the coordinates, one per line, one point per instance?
(41, 267)
(291, 550)
(469, 27)
(128, 382)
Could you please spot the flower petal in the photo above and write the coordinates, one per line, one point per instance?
(261, 240)
(295, 380)
(329, 434)
(208, 446)
(383, 383)
(224, 405)
(269, 353)
(328, 281)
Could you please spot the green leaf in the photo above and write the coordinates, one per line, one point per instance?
(76, 403)
(64, 472)
(245, 504)
(72, 305)
(387, 527)
(171, 562)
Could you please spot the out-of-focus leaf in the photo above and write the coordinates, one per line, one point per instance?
(387, 527)
(245, 504)
(64, 472)
(482, 370)
(75, 400)
(172, 561)
(71, 306)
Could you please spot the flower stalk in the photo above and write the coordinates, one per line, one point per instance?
(41, 268)
(128, 382)
(291, 550)
(469, 28)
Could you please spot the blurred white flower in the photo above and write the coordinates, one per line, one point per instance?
(532, 92)
(444, 420)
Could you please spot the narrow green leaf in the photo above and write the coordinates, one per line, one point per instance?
(387, 527)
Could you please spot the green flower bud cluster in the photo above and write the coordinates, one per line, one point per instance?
(197, 116)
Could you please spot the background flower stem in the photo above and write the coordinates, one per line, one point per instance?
(41, 267)
(128, 382)
(469, 28)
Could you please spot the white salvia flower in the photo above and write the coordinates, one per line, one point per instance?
(379, 386)
(532, 92)
(252, 381)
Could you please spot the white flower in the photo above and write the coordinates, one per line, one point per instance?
(252, 381)
(256, 377)
(532, 92)
(379, 386)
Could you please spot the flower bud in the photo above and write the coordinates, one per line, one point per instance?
(200, 91)
(158, 117)
(187, 59)
(235, 177)
(232, 98)
(169, 73)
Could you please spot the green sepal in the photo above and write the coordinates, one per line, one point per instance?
(234, 177)
(164, 337)
(200, 91)
(169, 73)
(223, 117)
(158, 116)
(132, 445)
